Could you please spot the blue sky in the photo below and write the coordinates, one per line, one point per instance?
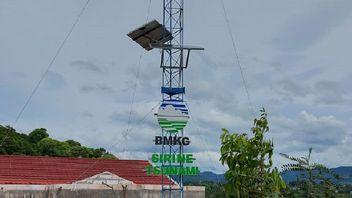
(295, 55)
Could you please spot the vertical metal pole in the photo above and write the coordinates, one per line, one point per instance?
(181, 165)
(170, 51)
(162, 165)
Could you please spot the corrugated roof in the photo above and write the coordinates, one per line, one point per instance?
(62, 170)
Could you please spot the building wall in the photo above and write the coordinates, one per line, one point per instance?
(91, 191)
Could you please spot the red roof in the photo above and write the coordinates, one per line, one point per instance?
(16, 169)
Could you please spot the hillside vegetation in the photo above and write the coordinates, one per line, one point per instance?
(38, 143)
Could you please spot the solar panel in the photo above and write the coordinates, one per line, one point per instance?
(150, 33)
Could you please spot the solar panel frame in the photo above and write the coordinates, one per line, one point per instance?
(150, 33)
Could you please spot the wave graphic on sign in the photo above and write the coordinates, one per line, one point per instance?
(173, 117)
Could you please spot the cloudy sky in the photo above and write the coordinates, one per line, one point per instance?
(296, 57)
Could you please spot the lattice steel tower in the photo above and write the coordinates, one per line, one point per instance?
(168, 37)
(172, 64)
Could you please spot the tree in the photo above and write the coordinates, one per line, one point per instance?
(315, 180)
(38, 134)
(79, 151)
(51, 147)
(73, 143)
(99, 152)
(15, 143)
(39, 143)
(249, 160)
(7, 143)
(108, 155)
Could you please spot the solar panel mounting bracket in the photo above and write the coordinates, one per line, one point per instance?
(188, 48)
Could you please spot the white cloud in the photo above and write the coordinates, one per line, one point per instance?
(307, 130)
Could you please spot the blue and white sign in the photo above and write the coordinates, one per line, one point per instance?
(173, 116)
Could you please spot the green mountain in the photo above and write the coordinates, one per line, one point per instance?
(345, 172)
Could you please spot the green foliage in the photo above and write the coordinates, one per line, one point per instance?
(108, 156)
(315, 179)
(15, 143)
(51, 147)
(81, 151)
(38, 134)
(98, 152)
(73, 143)
(249, 160)
(39, 143)
(345, 190)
